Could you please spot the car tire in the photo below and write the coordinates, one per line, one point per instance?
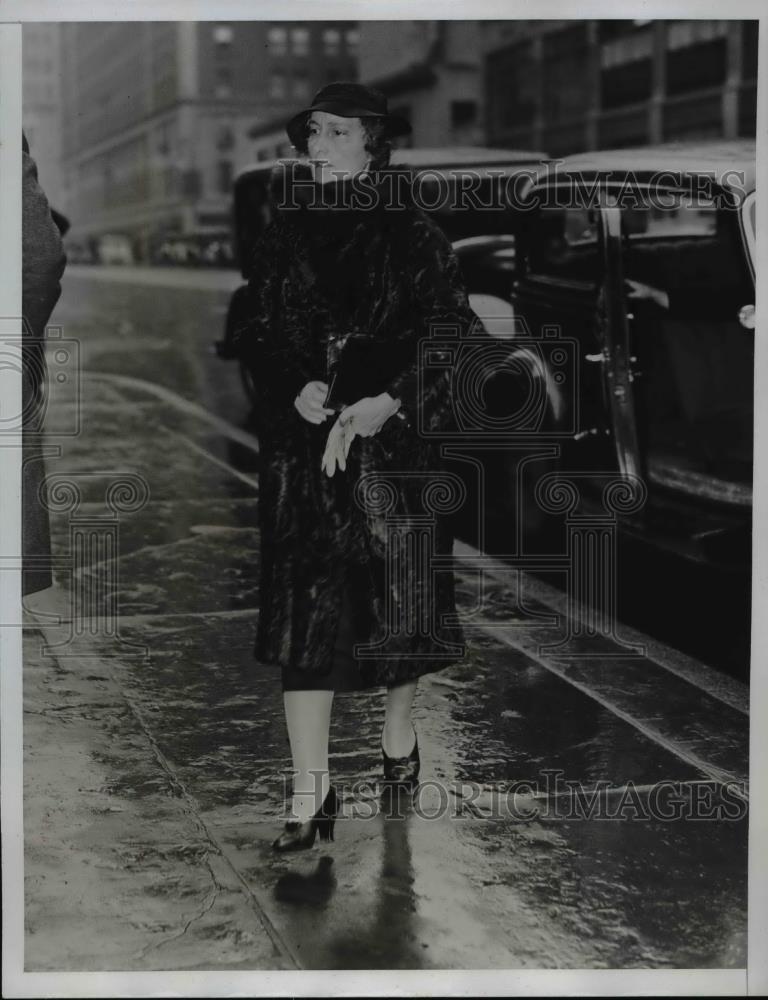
(512, 517)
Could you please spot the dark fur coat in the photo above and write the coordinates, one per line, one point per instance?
(350, 292)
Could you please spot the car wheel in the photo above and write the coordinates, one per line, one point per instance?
(523, 397)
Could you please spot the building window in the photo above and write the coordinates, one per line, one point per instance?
(277, 41)
(463, 113)
(749, 50)
(630, 84)
(225, 139)
(224, 172)
(700, 116)
(565, 74)
(626, 49)
(512, 89)
(352, 40)
(223, 85)
(223, 34)
(683, 34)
(300, 41)
(331, 42)
(300, 87)
(277, 86)
(626, 68)
(697, 56)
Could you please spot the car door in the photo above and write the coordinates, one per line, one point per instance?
(559, 291)
(696, 392)
(612, 329)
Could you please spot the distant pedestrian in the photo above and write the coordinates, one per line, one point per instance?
(43, 261)
(341, 291)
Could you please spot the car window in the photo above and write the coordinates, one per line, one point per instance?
(685, 245)
(684, 219)
(562, 242)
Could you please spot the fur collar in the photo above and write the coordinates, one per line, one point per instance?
(293, 192)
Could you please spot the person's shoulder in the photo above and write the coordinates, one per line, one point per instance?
(409, 215)
(420, 235)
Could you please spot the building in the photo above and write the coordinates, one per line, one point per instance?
(155, 117)
(430, 72)
(568, 86)
(330, 53)
(41, 104)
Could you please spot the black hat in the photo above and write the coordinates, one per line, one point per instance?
(348, 100)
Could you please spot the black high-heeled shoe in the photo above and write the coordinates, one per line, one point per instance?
(298, 836)
(402, 770)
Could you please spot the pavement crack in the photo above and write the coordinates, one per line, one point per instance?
(206, 907)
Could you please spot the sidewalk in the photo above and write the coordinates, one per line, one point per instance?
(154, 760)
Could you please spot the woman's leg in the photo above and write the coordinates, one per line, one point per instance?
(308, 717)
(398, 735)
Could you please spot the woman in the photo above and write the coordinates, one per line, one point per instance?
(343, 284)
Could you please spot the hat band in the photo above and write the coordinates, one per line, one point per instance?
(344, 110)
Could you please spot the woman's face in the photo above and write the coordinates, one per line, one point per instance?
(339, 143)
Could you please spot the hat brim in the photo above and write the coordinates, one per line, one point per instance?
(395, 124)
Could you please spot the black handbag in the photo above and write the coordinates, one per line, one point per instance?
(364, 367)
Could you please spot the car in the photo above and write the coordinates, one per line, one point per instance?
(661, 386)
(641, 264)
(79, 253)
(217, 252)
(115, 248)
(471, 192)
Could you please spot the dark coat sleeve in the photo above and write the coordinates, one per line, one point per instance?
(441, 316)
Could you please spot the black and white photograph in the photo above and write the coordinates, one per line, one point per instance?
(382, 590)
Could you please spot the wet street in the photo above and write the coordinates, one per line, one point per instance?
(156, 756)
